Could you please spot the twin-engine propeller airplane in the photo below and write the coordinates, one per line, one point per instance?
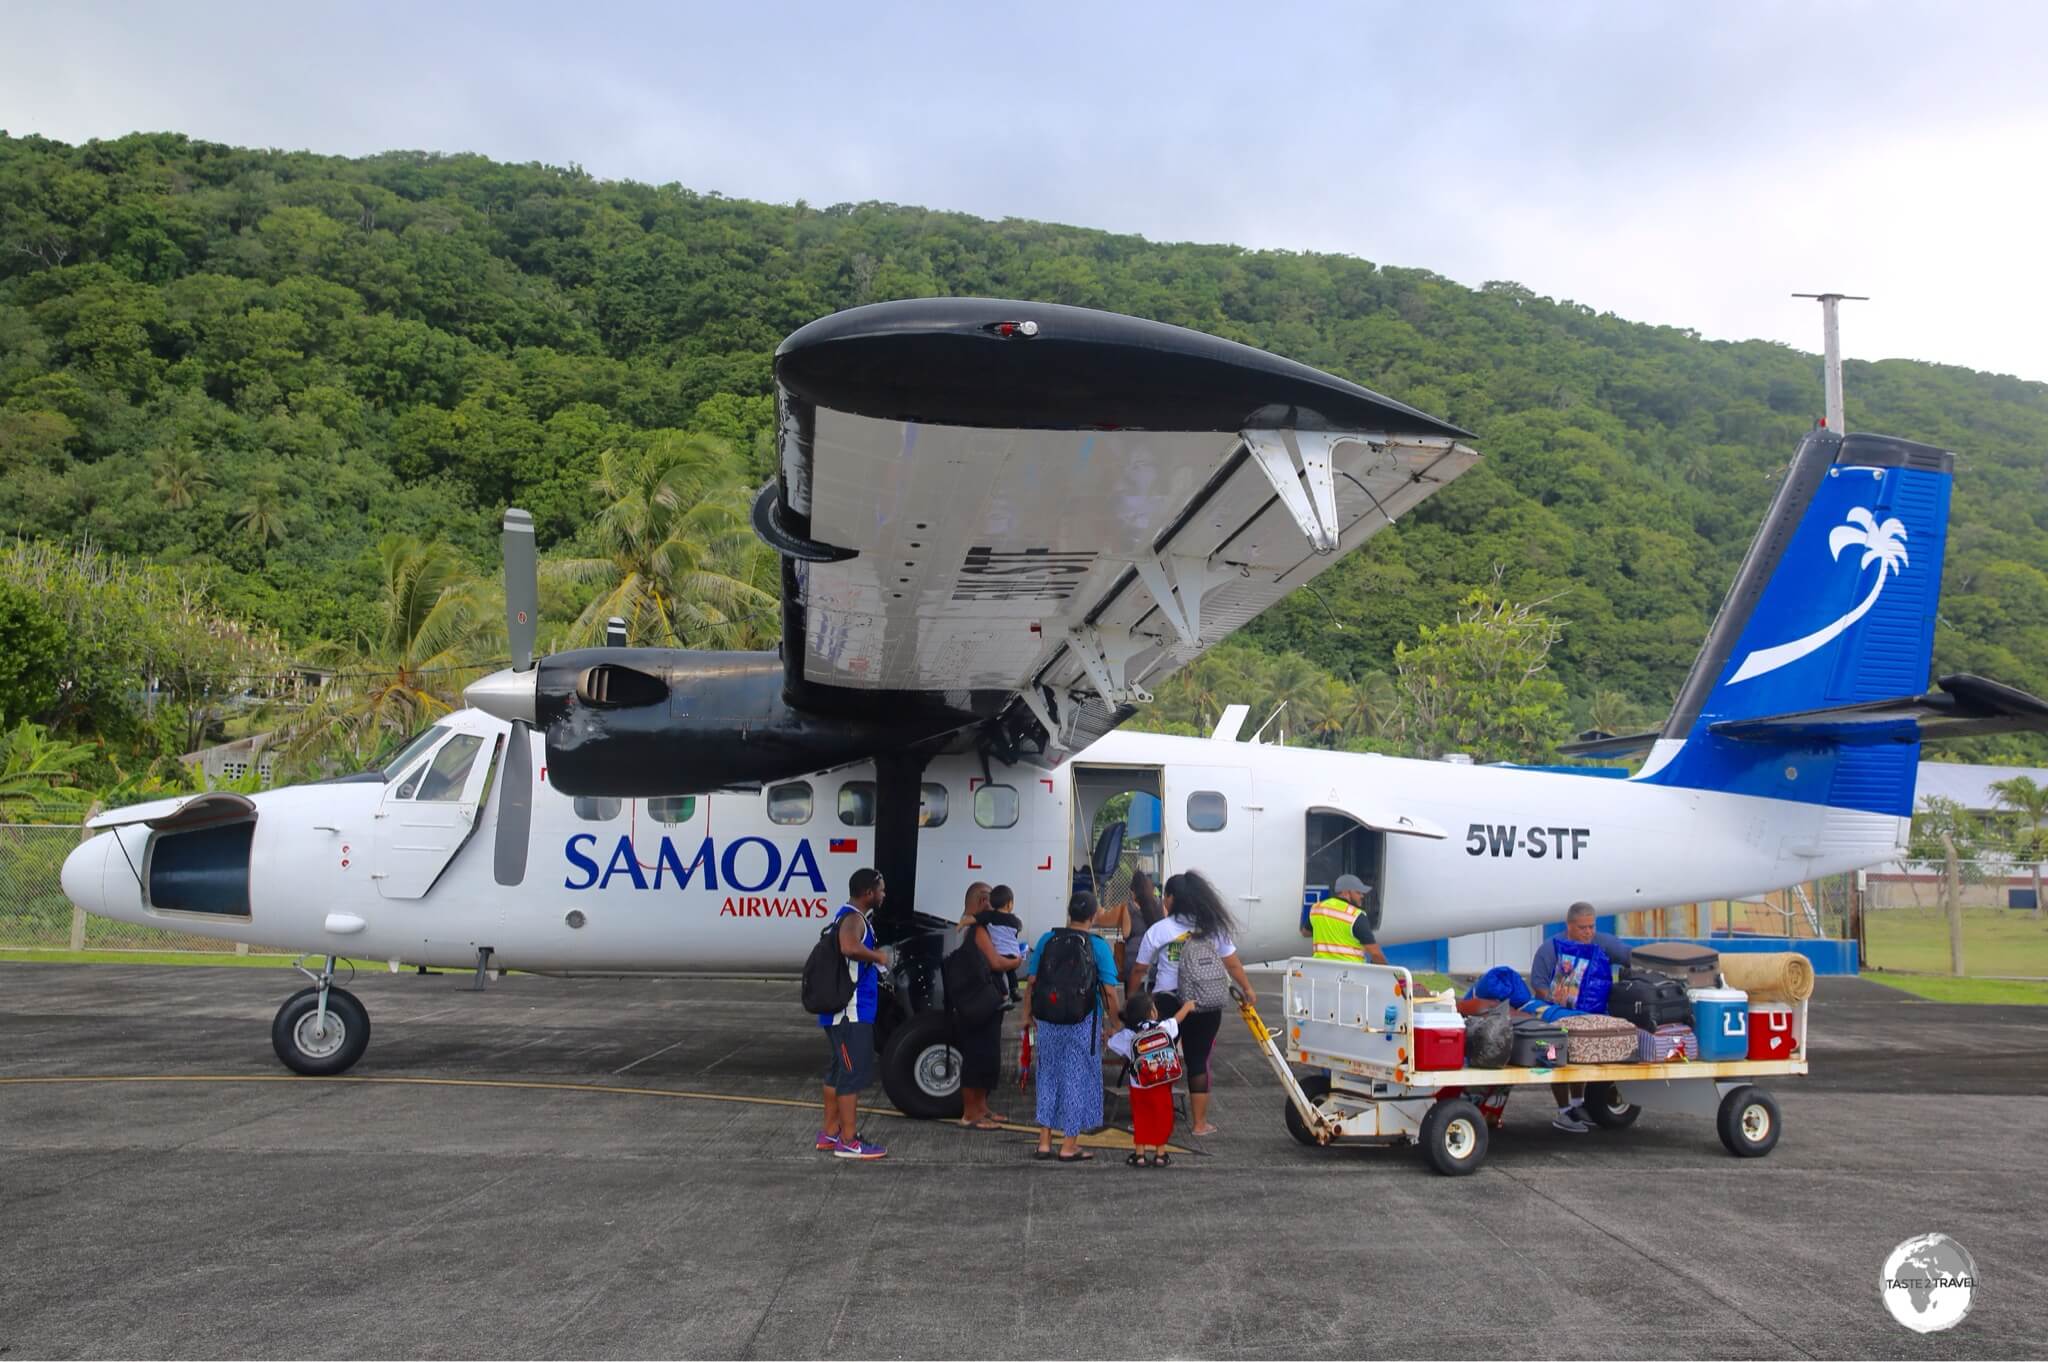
(999, 523)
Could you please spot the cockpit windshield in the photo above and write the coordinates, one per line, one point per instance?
(413, 748)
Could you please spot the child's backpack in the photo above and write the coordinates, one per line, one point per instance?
(1155, 1057)
(828, 983)
(1203, 981)
(1063, 992)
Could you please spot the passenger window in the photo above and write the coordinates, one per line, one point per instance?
(790, 804)
(931, 805)
(995, 806)
(857, 803)
(672, 809)
(1208, 811)
(596, 810)
(450, 768)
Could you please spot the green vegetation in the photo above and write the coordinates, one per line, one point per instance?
(236, 378)
(1995, 941)
(1943, 990)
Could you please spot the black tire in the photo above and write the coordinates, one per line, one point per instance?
(921, 1068)
(1454, 1137)
(320, 1056)
(1749, 1122)
(1604, 1105)
(1316, 1087)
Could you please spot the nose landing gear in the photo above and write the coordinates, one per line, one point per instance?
(322, 1030)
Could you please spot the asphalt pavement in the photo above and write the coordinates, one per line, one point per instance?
(613, 1168)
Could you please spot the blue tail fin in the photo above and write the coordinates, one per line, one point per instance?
(1834, 604)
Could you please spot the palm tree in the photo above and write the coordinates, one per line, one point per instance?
(2030, 800)
(37, 775)
(179, 475)
(262, 513)
(436, 623)
(677, 559)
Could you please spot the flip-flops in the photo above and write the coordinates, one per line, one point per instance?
(1078, 1156)
(982, 1125)
(1042, 1154)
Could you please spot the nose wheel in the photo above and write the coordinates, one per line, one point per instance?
(322, 1030)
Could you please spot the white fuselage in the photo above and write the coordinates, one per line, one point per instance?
(357, 870)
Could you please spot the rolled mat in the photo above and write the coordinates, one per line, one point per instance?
(1776, 977)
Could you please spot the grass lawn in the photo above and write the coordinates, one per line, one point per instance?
(1952, 990)
(1995, 941)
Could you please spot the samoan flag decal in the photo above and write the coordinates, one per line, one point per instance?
(843, 845)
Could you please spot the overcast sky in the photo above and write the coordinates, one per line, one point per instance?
(1675, 163)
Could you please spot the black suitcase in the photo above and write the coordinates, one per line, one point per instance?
(1539, 1044)
(1649, 1000)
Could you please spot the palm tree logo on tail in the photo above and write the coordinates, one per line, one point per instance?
(1883, 544)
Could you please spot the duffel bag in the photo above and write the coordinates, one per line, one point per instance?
(1667, 1043)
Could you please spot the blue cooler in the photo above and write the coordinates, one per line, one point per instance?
(1720, 1018)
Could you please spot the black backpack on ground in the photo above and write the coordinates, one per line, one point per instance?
(1649, 999)
(1064, 990)
(828, 983)
(972, 993)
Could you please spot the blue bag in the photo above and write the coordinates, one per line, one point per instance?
(1584, 975)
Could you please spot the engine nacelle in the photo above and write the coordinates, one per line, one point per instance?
(645, 722)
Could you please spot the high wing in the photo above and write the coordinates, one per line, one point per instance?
(1036, 511)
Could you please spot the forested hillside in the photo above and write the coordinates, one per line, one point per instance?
(303, 381)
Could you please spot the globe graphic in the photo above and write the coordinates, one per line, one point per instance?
(1928, 1282)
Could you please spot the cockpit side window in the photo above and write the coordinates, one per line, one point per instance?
(413, 748)
(449, 769)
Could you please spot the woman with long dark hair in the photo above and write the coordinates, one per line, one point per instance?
(1192, 909)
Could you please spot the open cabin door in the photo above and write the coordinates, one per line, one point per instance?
(1348, 836)
(429, 811)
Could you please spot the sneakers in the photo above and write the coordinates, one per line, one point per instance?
(1568, 1120)
(827, 1144)
(857, 1148)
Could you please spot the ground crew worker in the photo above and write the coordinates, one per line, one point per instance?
(1341, 928)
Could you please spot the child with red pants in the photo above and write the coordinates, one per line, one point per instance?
(1152, 1045)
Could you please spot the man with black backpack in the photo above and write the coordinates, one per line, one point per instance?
(845, 997)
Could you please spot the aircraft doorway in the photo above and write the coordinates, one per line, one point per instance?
(1340, 845)
(1117, 830)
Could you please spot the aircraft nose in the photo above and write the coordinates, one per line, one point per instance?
(507, 695)
(85, 873)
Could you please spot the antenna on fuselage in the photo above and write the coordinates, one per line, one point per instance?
(1269, 719)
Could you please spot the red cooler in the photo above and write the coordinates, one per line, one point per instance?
(1771, 1031)
(1439, 1038)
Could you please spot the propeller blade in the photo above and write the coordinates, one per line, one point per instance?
(522, 587)
(515, 808)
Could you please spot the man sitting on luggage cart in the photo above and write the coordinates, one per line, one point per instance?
(1557, 974)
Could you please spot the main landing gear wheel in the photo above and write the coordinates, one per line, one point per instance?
(1749, 1122)
(1604, 1105)
(317, 1045)
(1454, 1138)
(921, 1068)
(1315, 1087)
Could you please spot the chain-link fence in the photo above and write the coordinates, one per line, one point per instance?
(34, 914)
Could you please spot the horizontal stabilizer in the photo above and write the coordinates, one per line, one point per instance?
(1606, 746)
(1964, 707)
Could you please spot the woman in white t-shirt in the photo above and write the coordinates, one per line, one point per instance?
(1193, 908)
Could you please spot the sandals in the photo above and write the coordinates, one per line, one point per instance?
(1135, 1159)
(982, 1125)
(1078, 1156)
(1162, 1160)
(1041, 1154)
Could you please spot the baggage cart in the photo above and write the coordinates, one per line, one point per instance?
(1356, 1022)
